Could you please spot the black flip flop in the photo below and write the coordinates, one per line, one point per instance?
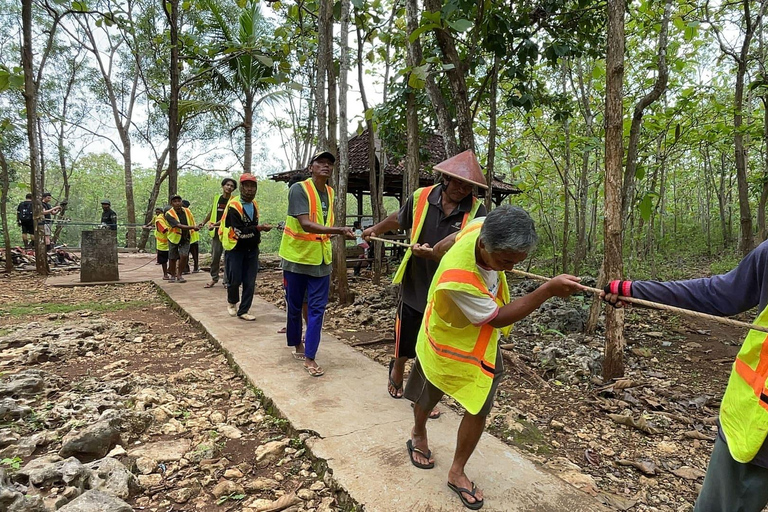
(428, 455)
(392, 383)
(477, 505)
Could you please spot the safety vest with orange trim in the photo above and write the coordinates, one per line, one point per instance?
(174, 234)
(161, 232)
(744, 409)
(297, 245)
(227, 235)
(457, 356)
(214, 210)
(420, 207)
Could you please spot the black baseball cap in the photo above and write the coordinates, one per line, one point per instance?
(47, 194)
(324, 154)
(106, 201)
(175, 196)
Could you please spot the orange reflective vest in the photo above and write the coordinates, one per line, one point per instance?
(457, 356)
(227, 234)
(161, 232)
(174, 234)
(744, 409)
(297, 245)
(420, 207)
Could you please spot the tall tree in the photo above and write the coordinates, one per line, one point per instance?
(613, 363)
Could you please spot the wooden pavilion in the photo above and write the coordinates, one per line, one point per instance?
(359, 173)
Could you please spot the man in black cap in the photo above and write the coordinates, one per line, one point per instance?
(108, 215)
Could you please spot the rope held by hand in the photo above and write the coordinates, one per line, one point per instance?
(630, 300)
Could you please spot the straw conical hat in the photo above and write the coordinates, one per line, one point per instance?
(465, 167)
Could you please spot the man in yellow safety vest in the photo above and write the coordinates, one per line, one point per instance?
(213, 220)
(468, 306)
(432, 214)
(737, 476)
(305, 250)
(182, 224)
(161, 228)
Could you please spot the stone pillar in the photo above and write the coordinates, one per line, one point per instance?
(98, 256)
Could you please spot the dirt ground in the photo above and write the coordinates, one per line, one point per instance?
(162, 368)
(641, 443)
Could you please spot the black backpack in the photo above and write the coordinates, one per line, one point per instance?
(25, 211)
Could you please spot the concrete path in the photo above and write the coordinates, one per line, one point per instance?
(133, 268)
(362, 431)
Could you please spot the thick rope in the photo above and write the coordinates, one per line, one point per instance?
(630, 300)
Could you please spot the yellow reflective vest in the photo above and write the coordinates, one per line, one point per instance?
(174, 234)
(297, 245)
(214, 209)
(161, 232)
(227, 234)
(744, 409)
(420, 207)
(457, 356)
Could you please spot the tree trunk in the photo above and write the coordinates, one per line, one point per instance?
(581, 215)
(173, 99)
(566, 176)
(248, 129)
(325, 17)
(30, 101)
(613, 364)
(4, 186)
(149, 213)
(342, 170)
(413, 58)
(745, 215)
(492, 129)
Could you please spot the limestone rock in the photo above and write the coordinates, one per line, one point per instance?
(26, 383)
(11, 410)
(233, 473)
(96, 501)
(44, 473)
(145, 465)
(261, 484)
(230, 432)
(12, 499)
(270, 451)
(183, 495)
(227, 487)
(111, 476)
(93, 442)
(147, 481)
(163, 451)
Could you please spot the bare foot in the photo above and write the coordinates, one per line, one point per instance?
(421, 443)
(462, 480)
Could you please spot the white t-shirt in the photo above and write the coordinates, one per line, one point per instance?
(479, 310)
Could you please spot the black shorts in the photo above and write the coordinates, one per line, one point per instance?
(420, 390)
(28, 227)
(407, 327)
(162, 257)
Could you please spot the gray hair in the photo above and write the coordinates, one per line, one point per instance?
(509, 228)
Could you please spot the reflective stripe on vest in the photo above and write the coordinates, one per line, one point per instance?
(227, 234)
(744, 409)
(212, 217)
(299, 246)
(456, 356)
(420, 208)
(174, 234)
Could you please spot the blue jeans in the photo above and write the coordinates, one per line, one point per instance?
(241, 268)
(316, 289)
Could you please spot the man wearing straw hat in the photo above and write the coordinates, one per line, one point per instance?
(468, 308)
(737, 475)
(432, 214)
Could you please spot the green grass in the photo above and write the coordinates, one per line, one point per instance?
(17, 310)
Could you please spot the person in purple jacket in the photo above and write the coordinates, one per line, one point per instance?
(737, 475)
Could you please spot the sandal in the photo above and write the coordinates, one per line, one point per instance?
(299, 356)
(314, 371)
(392, 383)
(209, 284)
(428, 455)
(477, 505)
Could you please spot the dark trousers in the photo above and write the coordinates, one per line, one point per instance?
(731, 486)
(217, 251)
(316, 289)
(241, 268)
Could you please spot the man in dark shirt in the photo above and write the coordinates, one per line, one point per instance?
(25, 218)
(449, 206)
(213, 221)
(730, 485)
(48, 211)
(241, 225)
(108, 215)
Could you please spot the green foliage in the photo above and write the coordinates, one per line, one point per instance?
(13, 463)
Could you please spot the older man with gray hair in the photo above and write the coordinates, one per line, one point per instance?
(457, 352)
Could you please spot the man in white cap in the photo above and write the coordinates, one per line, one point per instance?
(432, 214)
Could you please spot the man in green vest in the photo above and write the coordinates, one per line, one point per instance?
(431, 214)
(305, 249)
(213, 221)
(468, 307)
(737, 476)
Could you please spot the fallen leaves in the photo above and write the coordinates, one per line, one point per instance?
(640, 423)
(688, 473)
(644, 466)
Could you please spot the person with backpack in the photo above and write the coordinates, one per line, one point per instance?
(25, 219)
